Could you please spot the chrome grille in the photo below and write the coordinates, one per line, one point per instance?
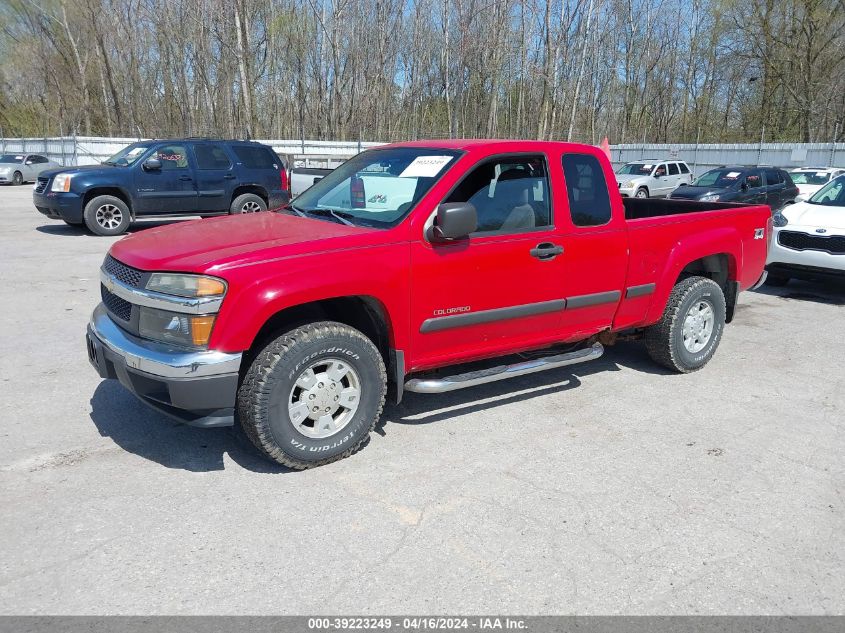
(41, 185)
(123, 273)
(120, 308)
(834, 244)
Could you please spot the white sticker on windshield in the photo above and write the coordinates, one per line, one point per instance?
(425, 166)
(18, 157)
(647, 166)
(732, 174)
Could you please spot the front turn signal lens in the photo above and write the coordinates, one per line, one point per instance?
(210, 287)
(201, 329)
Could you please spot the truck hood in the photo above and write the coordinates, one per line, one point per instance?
(88, 169)
(814, 216)
(216, 244)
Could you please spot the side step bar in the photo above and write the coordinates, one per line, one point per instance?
(473, 378)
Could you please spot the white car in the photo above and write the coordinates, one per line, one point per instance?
(652, 178)
(810, 179)
(808, 241)
(16, 169)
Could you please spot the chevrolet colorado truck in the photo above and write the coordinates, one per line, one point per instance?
(424, 267)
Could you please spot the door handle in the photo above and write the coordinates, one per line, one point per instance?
(185, 178)
(546, 251)
(229, 176)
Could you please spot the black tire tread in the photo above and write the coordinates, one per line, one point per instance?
(237, 203)
(250, 391)
(658, 337)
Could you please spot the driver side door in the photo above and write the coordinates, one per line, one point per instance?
(170, 189)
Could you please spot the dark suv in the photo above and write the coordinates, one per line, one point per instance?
(164, 177)
(751, 185)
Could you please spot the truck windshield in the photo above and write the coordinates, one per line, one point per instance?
(378, 187)
(127, 156)
(719, 178)
(832, 194)
(636, 169)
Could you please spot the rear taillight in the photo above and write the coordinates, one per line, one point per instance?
(283, 178)
(357, 193)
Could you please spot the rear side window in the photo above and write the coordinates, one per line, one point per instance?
(773, 177)
(673, 169)
(684, 168)
(586, 188)
(254, 157)
(211, 157)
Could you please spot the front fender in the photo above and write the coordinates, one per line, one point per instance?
(257, 292)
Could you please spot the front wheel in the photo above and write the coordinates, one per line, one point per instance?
(313, 395)
(642, 192)
(688, 333)
(106, 215)
(17, 178)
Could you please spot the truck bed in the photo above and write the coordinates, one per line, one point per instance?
(639, 208)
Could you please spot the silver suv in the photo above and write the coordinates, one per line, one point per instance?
(650, 178)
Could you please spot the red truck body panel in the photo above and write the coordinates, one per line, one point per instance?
(272, 262)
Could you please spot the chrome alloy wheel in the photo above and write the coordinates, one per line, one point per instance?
(698, 326)
(109, 216)
(250, 206)
(324, 398)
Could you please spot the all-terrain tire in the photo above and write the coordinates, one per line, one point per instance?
(107, 215)
(264, 394)
(247, 203)
(665, 339)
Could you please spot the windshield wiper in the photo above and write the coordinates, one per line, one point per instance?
(295, 209)
(340, 216)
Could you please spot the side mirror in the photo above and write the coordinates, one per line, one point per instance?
(744, 186)
(152, 164)
(455, 220)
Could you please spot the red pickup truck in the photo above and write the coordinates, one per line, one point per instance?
(425, 267)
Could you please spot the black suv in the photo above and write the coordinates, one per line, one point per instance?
(165, 177)
(755, 185)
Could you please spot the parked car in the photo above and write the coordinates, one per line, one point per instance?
(649, 178)
(810, 179)
(165, 177)
(16, 169)
(302, 319)
(753, 185)
(809, 238)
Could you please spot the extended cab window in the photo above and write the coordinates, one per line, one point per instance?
(509, 194)
(256, 157)
(586, 188)
(211, 157)
(172, 157)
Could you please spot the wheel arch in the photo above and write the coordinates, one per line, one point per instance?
(258, 190)
(117, 192)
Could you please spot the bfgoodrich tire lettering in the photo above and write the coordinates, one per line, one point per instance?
(665, 339)
(263, 397)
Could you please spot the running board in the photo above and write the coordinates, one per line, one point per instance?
(473, 378)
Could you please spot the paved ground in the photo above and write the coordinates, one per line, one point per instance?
(612, 488)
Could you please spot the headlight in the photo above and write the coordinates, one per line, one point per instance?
(175, 327)
(710, 197)
(5, 170)
(629, 184)
(186, 285)
(779, 219)
(61, 182)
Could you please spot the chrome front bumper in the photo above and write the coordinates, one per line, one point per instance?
(196, 387)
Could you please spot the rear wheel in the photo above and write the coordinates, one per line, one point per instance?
(247, 203)
(313, 395)
(642, 192)
(17, 178)
(107, 215)
(688, 333)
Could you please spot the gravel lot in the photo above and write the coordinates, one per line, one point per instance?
(609, 487)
